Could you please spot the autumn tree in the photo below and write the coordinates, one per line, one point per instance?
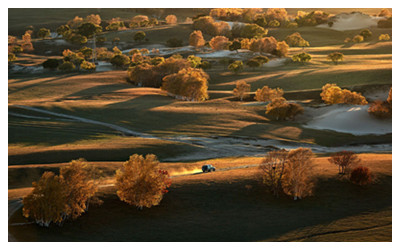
(116, 24)
(278, 14)
(171, 19)
(385, 13)
(382, 109)
(298, 174)
(282, 49)
(139, 21)
(89, 29)
(27, 41)
(384, 37)
(47, 202)
(366, 33)
(295, 40)
(358, 39)
(272, 170)
(253, 31)
(236, 66)
(361, 176)
(139, 36)
(302, 57)
(75, 23)
(141, 182)
(333, 94)
(196, 39)
(93, 18)
(345, 161)
(280, 109)
(266, 94)
(241, 90)
(335, 57)
(188, 84)
(219, 43)
(43, 33)
(120, 60)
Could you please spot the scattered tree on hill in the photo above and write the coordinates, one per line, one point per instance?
(277, 14)
(311, 18)
(171, 19)
(267, 94)
(194, 61)
(196, 39)
(219, 43)
(280, 109)
(298, 179)
(261, 59)
(139, 36)
(366, 33)
(140, 182)
(295, 40)
(345, 161)
(361, 176)
(47, 202)
(302, 57)
(120, 60)
(253, 31)
(242, 90)
(43, 33)
(384, 37)
(274, 24)
(282, 49)
(27, 41)
(116, 24)
(188, 84)
(139, 21)
(358, 39)
(273, 169)
(93, 18)
(332, 94)
(85, 65)
(335, 57)
(89, 29)
(75, 23)
(236, 66)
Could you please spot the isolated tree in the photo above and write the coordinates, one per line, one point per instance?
(384, 37)
(298, 174)
(171, 19)
(138, 21)
(196, 39)
(335, 57)
(345, 161)
(141, 182)
(242, 89)
(280, 109)
(272, 170)
(302, 57)
(188, 84)
(139, 36)
(219, 43)
(295, 40)
(47, 202)
(266, 94)
(361, 176)
(43, 33)
(358, 39)
(89, 29)
(236, 66)
(366, 33)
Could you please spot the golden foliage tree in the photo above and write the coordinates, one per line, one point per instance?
(188, 84)
(75, 23)
(93, 18)
(382, 109)
(171, 19)
(280, 109)
(345, 161)
(298, 174)
(47, 202)
(141, 182)
(332, 94)
(335, 57)
(196, 39)
(219, 43)
(267, 94)
(242, 89)
(282, 49)
(295, 40)
(272, 170)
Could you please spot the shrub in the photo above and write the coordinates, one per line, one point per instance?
(345, 161)
(361, 176)
(67, 66)
(302, 57)
(353, 98)
(188, 84)
(85, 65)
(241, 90)
(50, 64)
(335, 57)
(236, 66)
(174, 42)
(384, 37)
(280, 109)
(295, 40)
(298, 174)
(141, 182)
(266, 94)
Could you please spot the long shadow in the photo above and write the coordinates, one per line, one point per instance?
(238, 211)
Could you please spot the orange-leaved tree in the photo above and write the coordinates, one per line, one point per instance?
(196, 39)
(345, 161)
(141, 182)
(267, 94)
(242, 89)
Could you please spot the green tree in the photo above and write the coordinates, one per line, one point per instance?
(89, 29)
(302, 57)
(253, 31)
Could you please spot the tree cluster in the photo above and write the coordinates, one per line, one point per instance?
(280, 109)
(266, 94)
(333, 94)
(242, 89)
